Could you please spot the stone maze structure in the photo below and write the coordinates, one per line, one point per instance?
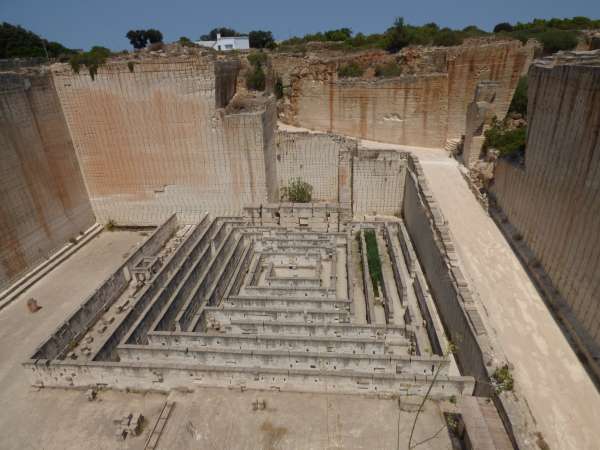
(253, 302)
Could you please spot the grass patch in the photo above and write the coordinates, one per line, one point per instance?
(374, 260)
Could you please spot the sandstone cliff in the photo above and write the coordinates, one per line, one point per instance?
(44, 201)
(424, 106)
(554, 200)
(157, 139)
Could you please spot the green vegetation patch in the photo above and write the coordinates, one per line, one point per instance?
(519, 100)
(373, 260)
(17, 42)
(92, 60)
(502, 379)
(350, 70)
(297, 191)
(509, 142)
(391, 69)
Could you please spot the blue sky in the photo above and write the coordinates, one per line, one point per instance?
(84, 23)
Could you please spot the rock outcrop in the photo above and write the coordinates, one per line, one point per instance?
(424, 106)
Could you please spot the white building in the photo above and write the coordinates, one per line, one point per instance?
(227, 43)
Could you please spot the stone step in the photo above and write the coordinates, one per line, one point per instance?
(225, 315)
(291, 360)
(250, 326)
(257, 342)
(342, 305)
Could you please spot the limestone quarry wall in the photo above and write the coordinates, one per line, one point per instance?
(424, 106)
(554, 200)
(406, 110)
(378, 179)
(43, 199)
(153, 141)
(318, 159)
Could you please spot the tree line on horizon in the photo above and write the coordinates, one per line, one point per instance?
(554, 34)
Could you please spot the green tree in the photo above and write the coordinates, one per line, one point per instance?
(137, 38)
(261, 39)
(397, 36)
(340, 34)
(185, 42)
(503, 26)
(153, 35)
(447, 38)
(223, 31)
(17, 42)
(556, 40)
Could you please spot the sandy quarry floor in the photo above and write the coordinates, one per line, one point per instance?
(60, 419)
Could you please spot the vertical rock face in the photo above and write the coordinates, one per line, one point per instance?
(43, 199)
(156, 140)
(424, 106)
(554, 200)
(322, 160)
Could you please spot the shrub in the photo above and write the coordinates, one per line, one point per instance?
(92, 60)
(110, 225)
(397, 36)
(130, 66)
(153, 36)
(256, 79)
(556, 40)
(390, 69)
(257, 59)
(297, 191)
(261, 39)
(373, 260)
(350, 70)
(502, 379)
(278, 88)
(509, 142)
(185, 42)
(503, 26)
(447, 38)
(519, 100)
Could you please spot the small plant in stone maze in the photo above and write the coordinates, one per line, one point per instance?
(110, 225)
(297, 191)
(373, 260)
(502, 379)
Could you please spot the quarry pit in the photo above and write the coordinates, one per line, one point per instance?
(196, 287)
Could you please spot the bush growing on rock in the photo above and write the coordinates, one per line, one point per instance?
(503, 26)
(556, 40)
(350, 70)
(297, 191)
(519, 101)
(92, 60)
(256, 79)
(261, 39)
(390, 69)
(510, 142)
